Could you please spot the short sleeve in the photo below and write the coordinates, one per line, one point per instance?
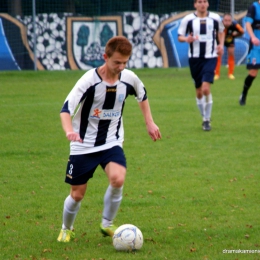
(250, 16)
(182, 30)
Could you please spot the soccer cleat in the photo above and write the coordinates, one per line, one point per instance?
(108, 231)
(206, 125)
(216, 77)
(231, 76)
(242, 100)
(65, 235)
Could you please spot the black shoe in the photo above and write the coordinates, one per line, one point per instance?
(206, 125)
(242, 99)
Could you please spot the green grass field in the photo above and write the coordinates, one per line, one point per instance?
(193, 193)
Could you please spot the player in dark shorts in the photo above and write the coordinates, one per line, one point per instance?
(232, 30)
(92, 119)
(200, 30)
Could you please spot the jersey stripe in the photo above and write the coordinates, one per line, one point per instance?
(103, 125)
(189, 30)
(215, 25)
(119, 121)
(85, 111)
(97, 108)
(203, 31)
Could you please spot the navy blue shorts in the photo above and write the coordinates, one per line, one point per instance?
(202, 70)
(80, 168)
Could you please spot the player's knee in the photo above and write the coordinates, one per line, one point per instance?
(117, 180)
(77, 196)
(206, 90)
(118, 183)
(253, 73)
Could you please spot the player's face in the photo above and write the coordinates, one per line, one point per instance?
(227, 20)
(201, 5)
(116, 63)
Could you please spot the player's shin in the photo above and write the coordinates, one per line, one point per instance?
(231, 64)
(248, 82)
(200, 104)
(208, 107)
(112, 201)
(71, 208)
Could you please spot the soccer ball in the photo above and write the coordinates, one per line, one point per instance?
(127, 238)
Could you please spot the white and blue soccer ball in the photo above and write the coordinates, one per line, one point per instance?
(128, 237)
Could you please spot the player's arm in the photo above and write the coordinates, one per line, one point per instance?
(239, 31)
(250, 31)
(189, 38)
(72, 101)
(67, 127)
(221, 39)
(152, 128)
(183, 33)
(249, 19)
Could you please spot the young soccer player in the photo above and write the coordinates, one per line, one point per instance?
(232, 30)
(253, 58)
(200, 29)
(96, 132)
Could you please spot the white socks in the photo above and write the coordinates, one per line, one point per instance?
(70, 210)
(200, 104)
(205, 106)
(112, 200)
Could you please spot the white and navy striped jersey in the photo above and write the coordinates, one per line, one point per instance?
(97, 109)
(206, 30)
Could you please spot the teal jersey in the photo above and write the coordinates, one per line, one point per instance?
(253, 17)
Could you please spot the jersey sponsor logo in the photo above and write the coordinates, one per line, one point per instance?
(204, 38)
(96, 113)
(106, 114)
(111, 89)
(110, 114)
(121, 97)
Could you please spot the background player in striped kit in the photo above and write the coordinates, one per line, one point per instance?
(200, 29)
(232, 31)
(96, 132)
(252, 21)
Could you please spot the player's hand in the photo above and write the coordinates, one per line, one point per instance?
(220, 50)
(72, 136)
(255, 41)
(153, 131)
(190, 38)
